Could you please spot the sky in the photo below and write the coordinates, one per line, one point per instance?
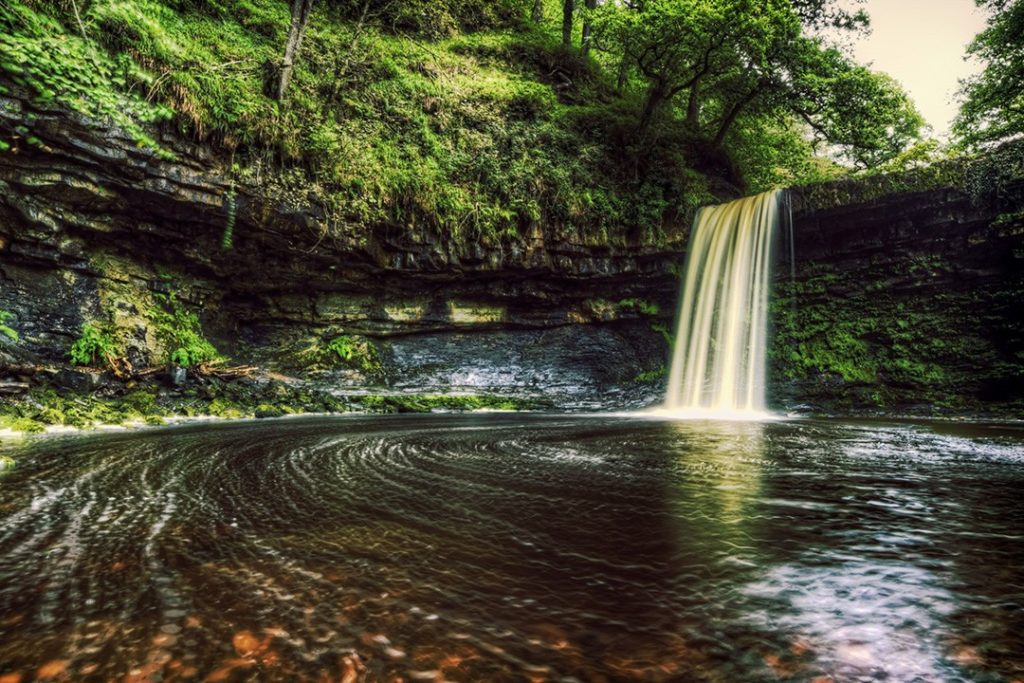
(921, 43)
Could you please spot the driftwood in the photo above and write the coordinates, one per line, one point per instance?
(120, 367)
(14, 387)
(214, 369)
(20, 370)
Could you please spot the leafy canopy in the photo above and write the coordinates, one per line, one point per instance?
(738, 59)
(993, 105)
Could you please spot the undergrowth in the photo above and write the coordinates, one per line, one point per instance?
(178, 329)
(94, 347)
(458, 131)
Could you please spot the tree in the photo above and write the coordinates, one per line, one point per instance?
(585, 39)
(993, 101)
(678, 45)
(736, 58)
(296, 32)
(537, 13)
(568, 7)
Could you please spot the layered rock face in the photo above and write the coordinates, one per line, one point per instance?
(93, 228)
(904, 298)
(901, 299)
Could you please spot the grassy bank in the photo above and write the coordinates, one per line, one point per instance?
(478, 124)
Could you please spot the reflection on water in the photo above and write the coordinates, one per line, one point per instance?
(511, 548)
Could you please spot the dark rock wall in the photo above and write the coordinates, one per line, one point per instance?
(903, 299)
(911, 302)
(93, 228)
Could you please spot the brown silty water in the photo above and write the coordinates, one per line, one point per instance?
(516, 548)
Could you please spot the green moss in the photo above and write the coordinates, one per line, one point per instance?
(350, 351)
(644, 307)
(425, 403)
(21, 424)
(862, 339)
(664, 331)
(142, 402)
(652, 375)
(264, 410)
(221, 407)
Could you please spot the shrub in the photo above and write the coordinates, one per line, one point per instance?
(179, 330)
(94, 347)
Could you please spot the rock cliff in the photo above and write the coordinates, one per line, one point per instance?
(906, 294)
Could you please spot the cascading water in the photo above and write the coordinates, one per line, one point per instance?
(718, 361)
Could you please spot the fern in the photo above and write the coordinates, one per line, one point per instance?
(94, 347)
(231, 205)
(179, 330)
(6, 331)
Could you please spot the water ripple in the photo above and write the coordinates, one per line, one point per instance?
(494, 548)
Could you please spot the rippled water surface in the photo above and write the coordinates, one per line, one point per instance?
(514, 548)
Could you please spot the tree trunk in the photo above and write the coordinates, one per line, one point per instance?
(567, 9)
(300, 19)
(655, 97)
(693, 106)
(734, 112)
(538, 11)
(585, 42)
(620, 81)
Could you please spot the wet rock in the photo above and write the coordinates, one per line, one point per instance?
(177, 375)
(78, 380)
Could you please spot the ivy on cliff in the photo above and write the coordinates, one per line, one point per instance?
(62, 68)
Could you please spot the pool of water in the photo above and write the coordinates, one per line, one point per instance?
(516, 548)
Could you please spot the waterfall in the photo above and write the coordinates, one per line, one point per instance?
(718, 359)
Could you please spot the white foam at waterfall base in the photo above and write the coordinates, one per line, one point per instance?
(718, 359)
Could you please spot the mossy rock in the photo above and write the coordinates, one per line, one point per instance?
(265, 410)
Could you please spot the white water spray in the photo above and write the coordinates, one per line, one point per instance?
(718, 360)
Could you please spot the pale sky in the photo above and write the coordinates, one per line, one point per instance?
(921, 43)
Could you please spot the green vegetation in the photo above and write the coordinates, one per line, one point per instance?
(652, 375)
(179, 331)
(648, 308)
(350, 351)
(843, 345)
(665, 333)
(95, 347)
(36, 51)
(466, 116)
(356, 353)
(5, 330)
(152, 404)
(414, 403)
(993, 106)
